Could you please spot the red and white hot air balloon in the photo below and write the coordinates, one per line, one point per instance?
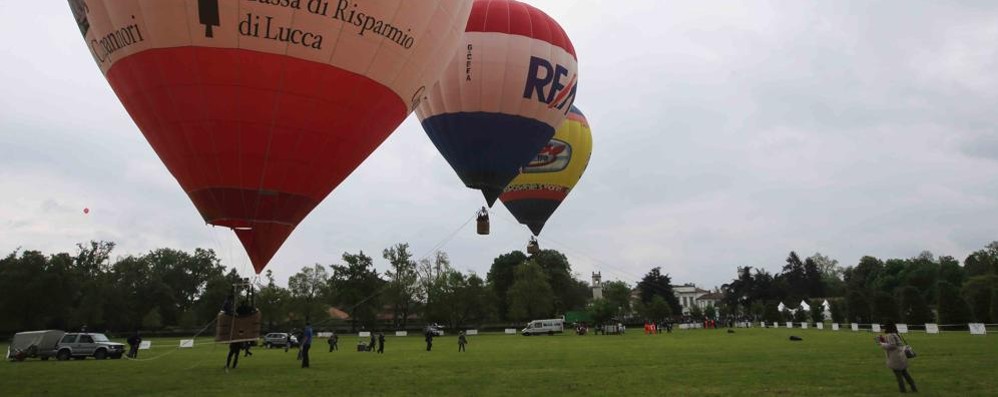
(260, 109)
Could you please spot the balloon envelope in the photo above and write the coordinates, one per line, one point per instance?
(86, 210)
(260, 109)
(508, 86)
(534, 195)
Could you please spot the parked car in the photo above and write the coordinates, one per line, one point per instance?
(34, 344)
(82, 345)
(279, 339)
(539, 327)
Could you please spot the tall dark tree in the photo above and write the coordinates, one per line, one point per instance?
(858, 307)
(568, 294)
(356, 288)
(308, 290)
(982, 262)
(657, 284)
(403, 282)
(531, 296)
(618, 295)
(500, 279)
(913, 307)
(813, 279)
(977, 292)
(795, 277)
(952, 308)
(273, 302)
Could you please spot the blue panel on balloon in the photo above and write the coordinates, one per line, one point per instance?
(487, 149)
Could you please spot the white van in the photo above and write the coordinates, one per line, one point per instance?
(540, 327)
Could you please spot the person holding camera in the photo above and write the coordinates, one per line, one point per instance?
(897, 360)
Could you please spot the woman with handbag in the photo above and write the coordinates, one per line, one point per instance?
(897, 360)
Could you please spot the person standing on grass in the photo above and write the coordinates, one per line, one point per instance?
(429, 340)
(381, 342)
(370, 345)
(133, 345)
(461, 341)
(332, 342)
(287, 342)
(233, 358)
(247, 345)
(306, 343)
(897, 361)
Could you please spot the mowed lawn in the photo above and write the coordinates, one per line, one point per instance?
(683, 363)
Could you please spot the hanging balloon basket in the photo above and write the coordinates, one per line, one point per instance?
(483, 222)
(533, 247)
(239, 323)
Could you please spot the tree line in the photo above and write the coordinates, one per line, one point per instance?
(168, 289)
(923, 289)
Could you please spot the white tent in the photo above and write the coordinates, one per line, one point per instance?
(805, 306)
(781, 307)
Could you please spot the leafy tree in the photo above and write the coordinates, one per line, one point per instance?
(152, 320)
(696, 313)
(356, 288)
(952, 308)
(531, 296)
(602, 311)
(914, 308)
(977, 292)
(858, 307)
(655, 283)
(659, 310)
(618, 295)
(307, 288)
(838, 308)
(813, 279)
(795, 277)
(950, 271)
(817, 311)
(710, 311)
(982, 262)
(403, 282)
(500, 279)
(994, 304)
(273, 302)
(885, 308)
(569, 293)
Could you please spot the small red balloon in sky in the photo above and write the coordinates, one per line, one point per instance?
(86, 210)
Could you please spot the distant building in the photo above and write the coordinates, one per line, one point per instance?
(597, 286)
(688, 295)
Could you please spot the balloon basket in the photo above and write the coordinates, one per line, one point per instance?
(231, 328)
(483, 227)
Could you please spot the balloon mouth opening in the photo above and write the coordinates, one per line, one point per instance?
(239, 225)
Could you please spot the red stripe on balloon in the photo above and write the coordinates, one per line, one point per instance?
(516, 18)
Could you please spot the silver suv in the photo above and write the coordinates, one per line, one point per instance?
(278, 339)
(83, 345)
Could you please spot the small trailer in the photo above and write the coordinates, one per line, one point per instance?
(34, 344)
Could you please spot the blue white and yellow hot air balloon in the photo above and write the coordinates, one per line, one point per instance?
(508, 87)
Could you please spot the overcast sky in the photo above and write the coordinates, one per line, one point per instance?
(725, 134)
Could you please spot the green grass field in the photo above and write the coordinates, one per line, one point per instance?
(684, 363)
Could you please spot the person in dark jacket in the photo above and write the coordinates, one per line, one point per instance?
(429, 340)
(133, 345)
(306, 344)
(247, 346)
(233, 358)
(381, 342)
(461, 341)
(370, 346)
(897, 361)
(287, 342)
(332, 341)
